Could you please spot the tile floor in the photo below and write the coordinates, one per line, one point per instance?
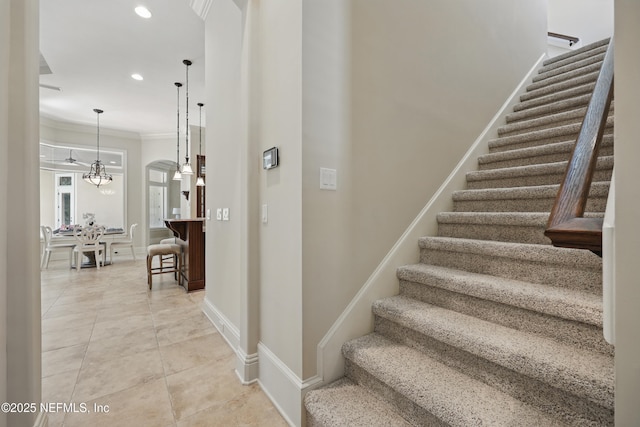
(151, 357)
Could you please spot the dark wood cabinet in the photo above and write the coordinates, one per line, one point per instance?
(190, 234)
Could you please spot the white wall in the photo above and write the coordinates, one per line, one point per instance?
(627, 212)
(589, 20)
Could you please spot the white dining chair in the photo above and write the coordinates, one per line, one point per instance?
(124, 243)
(88, 240)
(49, 246)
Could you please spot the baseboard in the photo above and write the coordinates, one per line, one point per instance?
(42, 420)
(247, 365)
(357, 319)
(285, 389)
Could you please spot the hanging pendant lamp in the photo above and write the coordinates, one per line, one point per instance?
(186, 167)
(178, 176)
(97, 175)
(200, 180)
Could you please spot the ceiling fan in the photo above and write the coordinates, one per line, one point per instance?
(71, 161)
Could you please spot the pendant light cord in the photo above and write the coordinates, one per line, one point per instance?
(187, 63)
(178, 85)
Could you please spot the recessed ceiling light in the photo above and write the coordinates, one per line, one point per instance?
(137, 76)
(143, 12)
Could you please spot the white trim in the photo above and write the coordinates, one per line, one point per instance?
(608, 266)
(357, 319)
(228, 330)
(42, 420)
(281, 385)
(201, 7)
(247, 365)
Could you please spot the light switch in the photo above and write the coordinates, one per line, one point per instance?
(225, 214)
(328, 179)
(219, 214)
(265, 214)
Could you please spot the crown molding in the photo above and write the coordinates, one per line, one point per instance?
(201, 7)
(58, 124)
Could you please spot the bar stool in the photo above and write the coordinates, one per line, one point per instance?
(164, 250)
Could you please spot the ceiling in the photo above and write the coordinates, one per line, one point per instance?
(93, 47)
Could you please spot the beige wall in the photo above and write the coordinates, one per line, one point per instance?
(281, 308)
(224, 138)
(5, 42)
(20, 372)
(627, 212)
(394, 93)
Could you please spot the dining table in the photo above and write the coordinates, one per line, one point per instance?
(110, 235)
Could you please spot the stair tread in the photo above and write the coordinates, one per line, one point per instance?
(560, 86)
(598, 189)
(539, 134)
(559, 302)
(527, 219)
(345, 403)
(604, 162)
(543, 110)
(531, 152)
(556, 96)
(582, 372)
(574, 258)
(449, 395)
(576, 52)
(555, 70)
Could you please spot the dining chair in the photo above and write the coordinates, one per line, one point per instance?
(88, 241)
(123, 243)
(47, 235)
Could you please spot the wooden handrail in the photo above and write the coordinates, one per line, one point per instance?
(567, 227)
(571, 39)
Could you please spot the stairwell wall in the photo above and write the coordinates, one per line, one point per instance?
(627, 212)
(394, 93)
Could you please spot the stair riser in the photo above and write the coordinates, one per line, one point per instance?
(581, 335)
(524, 181)
(527, 127)
(574, 410)
(575, 116)
(552, 157)
(547, 110)
(521, 205)
(415, 414)
(564, 77)
(536, 139)
(554, 70)
(552, 275)
(558, 87)
(499, 233)
(577, 91)
(577, 55)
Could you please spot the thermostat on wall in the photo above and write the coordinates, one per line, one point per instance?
(270, 158)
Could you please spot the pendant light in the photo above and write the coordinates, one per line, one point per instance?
(178, 176)
(186, 167)
(200, 180)
(97, 175)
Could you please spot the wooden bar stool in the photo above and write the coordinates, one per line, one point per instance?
(164, 250)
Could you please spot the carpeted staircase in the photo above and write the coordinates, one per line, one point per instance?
(494, 326)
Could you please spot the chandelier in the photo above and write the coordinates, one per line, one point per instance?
(97, 175)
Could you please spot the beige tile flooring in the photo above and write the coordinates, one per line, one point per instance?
(151, 357)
